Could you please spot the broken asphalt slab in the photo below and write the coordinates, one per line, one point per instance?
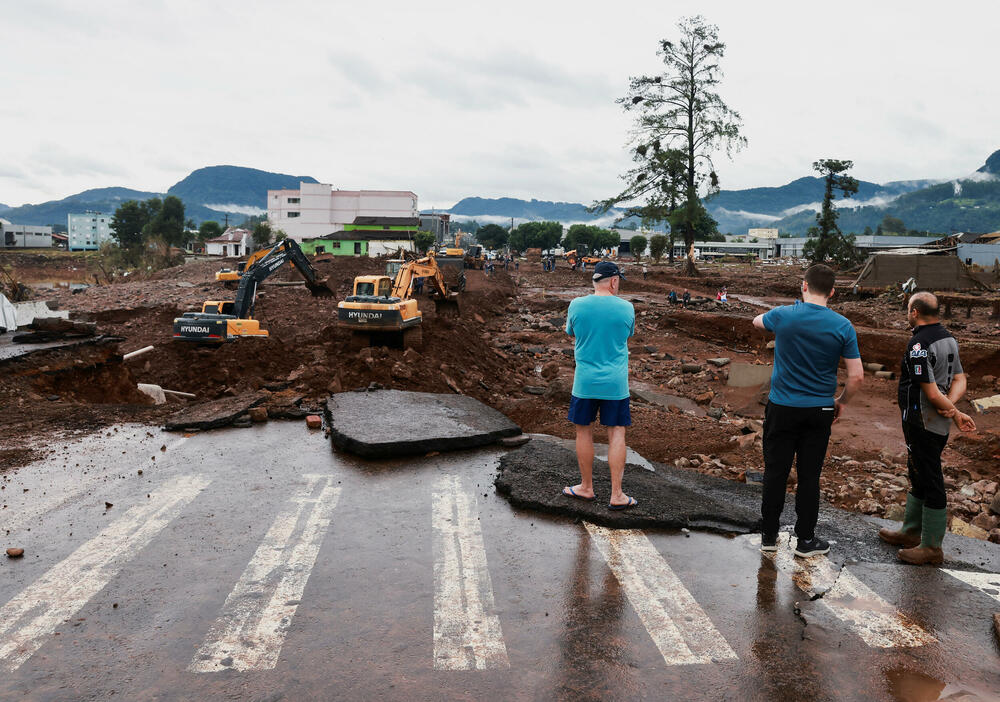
(215, 413)
(533, 477)
(389, 423)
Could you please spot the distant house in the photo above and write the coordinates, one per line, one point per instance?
(24, 236)
(367, 236)
(233, 242)
(87, 231)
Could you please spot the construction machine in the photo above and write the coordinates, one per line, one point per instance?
(220, 321)
(573, 258)
(475, 257)
(382, 308)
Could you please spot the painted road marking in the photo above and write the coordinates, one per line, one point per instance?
(467, 633)
(987, 582)
(256, 617)
(35, 613)
(678, 625)
(877, 622)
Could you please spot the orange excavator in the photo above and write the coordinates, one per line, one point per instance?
(383, 311)
(573, 258)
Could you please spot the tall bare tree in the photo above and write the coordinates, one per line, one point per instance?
(680, 122)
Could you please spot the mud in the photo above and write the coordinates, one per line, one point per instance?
(391, 423)
(532, 477)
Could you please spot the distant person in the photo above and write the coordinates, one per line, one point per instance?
(517, 265)
(931, 381)
(810, 341)
(672, 297)
(724, 295)
(687, 297)
(418, 285)
(601, 325)
(644, 271)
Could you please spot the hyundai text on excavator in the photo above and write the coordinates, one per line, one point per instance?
(383, 310)
(220, 321)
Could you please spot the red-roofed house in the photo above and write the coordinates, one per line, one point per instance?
(233, 242)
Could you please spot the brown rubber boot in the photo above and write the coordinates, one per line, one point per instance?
(922, 555)
(906, 539)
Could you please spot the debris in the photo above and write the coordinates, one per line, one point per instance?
(691, 368)
(515, 441)
(137, 353)
(314, 421)
(888, 375)
(214, 413)
(15, 552)
(963, 528)
(984, 404)
(108, 505)
(534, 389)
(155, 392)
(895, 512)
(718, 362)
(258, 414)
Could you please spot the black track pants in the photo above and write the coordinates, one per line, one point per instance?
(800, 434)
(923, 461)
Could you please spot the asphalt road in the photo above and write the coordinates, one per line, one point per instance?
(256, 564)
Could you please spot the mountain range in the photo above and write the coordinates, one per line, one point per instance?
(208, 193)
(935, 205)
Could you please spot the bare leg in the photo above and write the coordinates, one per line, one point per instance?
(585, 459)
(616, 461)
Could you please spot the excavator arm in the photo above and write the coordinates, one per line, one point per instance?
(422, 268)
(286, 250)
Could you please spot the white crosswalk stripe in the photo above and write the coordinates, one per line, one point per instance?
(250, 631)
(35, 613)
(467, 633)
(877, 622)
(678, 625)
(989, 583)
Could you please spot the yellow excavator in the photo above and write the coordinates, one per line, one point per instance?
(383, 311)
(224, 320)
(230, 277)
(573, 258)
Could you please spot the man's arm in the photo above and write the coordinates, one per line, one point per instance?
(957, 390)
(855, 377)
(946, 406)
(758, 322)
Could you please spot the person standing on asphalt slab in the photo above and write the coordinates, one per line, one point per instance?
(810, 340)
(930, 383)
(601, 325)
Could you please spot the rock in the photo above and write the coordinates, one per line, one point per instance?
(754, 476)
(682, 463)
(968, 491)
(869, 506)
(873, 465)
(242, 423)
(534, 389)
(691, 368)
(649, 348)
(515, 441)
(335, 386)
(704, 398)
(401, 371)
(994, 507)
(15, 552)
(314, 421)
(895, 512)
(770, 344)
(744, 440)
(963, 528)
(873, 367)
(411, 356)
(995, 536)
(258, 414)
(452, 385)
(985, 487)
(718, 362)
(154, 392)
(479, 318)
(989, 379)
(987, 522)
(984, 404)
(675, 382)
(716, 412)
(108, 505)
(550, 370)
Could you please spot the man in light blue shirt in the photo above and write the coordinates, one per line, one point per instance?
(601, 325)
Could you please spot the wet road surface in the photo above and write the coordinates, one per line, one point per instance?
(255, 564)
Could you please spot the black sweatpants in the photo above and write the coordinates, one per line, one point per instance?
(800, 434)
(923, 462)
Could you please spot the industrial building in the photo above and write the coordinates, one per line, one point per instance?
(318, 209)
(24, 236)
(87, 231)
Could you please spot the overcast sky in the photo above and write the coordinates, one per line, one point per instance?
(453, 99)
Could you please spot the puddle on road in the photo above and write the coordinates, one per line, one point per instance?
(907, 685)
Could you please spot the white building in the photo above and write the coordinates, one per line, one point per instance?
(317, 209)
(233, 242)
(87, 231)
(24, 236)
(768, 233)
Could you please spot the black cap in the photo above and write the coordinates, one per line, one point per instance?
(607, 269)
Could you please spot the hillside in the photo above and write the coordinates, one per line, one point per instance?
(524, 209)
(208, 193)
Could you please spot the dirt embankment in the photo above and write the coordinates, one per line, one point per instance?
(508, 349)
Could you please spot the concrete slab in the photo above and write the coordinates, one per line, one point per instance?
(389, 423)
(746, 375)
(655, 397)
(27, 312)
(985, 404)
(533, 477)
(215, 413)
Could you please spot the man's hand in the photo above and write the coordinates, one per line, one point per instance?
(949, 413)
(963, 422)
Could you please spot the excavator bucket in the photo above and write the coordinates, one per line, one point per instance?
(447, 306)
(320, 288)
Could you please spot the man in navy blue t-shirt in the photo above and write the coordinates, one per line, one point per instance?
(810, 340)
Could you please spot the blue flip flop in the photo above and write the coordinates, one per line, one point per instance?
(631, 503)
(579, 497)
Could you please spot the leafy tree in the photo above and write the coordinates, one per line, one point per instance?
(893, 225)
(657, 245)
(541, 235)
(607, 239)
(423, 240)
(637, 245)
(128, 222)
(829, 242)
(492, 236)
(868, 231)
(262, 235)
(681, 121)
(167, 222)
(209, 229)
(589, 237)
